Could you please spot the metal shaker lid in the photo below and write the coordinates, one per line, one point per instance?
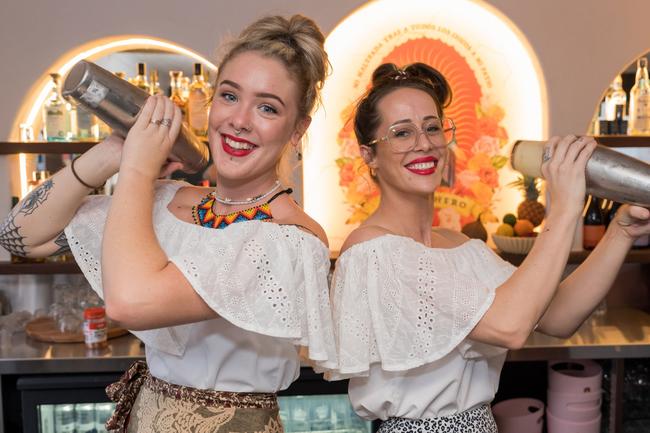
(76, 76)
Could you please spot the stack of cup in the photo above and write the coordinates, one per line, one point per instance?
(574, 397)
(519, 415)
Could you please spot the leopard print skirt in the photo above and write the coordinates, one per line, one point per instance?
(478, 420)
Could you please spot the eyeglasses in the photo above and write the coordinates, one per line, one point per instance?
(404, 137)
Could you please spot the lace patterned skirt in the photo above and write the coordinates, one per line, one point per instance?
(478, 420)
(146, 404)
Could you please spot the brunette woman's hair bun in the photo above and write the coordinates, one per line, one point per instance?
(385, 71)
(434, 78)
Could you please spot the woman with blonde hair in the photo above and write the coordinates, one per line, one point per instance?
(221, 284)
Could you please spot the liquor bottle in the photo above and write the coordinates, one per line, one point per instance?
(185, 88)
(87, 125)
(641, 242)
(197, 104)
(176, 83)
(593, 224)
(55, 113)
(611, 212)
(615, 102)
(72, 131)
(140, 80)
(639, 114)
(208, 84)
(154, 83)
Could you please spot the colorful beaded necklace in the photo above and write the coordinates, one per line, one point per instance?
(204, 215)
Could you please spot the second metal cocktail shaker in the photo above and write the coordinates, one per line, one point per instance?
(118, 102)
(610, 174)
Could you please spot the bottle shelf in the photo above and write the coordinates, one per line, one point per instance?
(58, 147)
(623, 140)
(46, 268)
(641, 255)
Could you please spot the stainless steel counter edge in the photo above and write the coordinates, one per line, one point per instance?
(618, 333)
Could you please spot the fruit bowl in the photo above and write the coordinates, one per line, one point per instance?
(513, 245)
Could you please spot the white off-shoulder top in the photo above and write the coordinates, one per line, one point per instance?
(402, 314)
(267, 283)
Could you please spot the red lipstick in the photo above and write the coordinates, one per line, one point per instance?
(233, 151)
(431, 164)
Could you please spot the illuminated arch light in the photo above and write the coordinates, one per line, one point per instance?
(35, 99)
(503, 63)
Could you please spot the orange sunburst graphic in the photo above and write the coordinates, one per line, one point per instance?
(479, 137)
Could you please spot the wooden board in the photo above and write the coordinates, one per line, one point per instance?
(45, 329)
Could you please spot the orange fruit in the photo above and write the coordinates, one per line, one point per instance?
(505, 230)
(523, 228)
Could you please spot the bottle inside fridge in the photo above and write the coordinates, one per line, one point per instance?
(321, 413)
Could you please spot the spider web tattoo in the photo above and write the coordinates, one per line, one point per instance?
(10, 237)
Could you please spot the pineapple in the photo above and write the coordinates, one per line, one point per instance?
(530, 209)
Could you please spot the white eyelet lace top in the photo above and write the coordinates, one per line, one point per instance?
(267, 283)
(402, 313)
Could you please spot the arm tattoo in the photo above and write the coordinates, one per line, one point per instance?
(62, 242)
(10, 237)
(36, 198)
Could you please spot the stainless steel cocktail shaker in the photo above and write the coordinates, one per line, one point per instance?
(610, 174)
(118, 102)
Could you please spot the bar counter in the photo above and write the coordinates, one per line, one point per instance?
(618, 333)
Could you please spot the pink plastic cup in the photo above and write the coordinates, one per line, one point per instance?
(519, 415)
(558, 425)
(574, 407)
(574, 377)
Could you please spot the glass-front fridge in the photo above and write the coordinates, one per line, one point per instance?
(330, 413)
(74, 418)
(78, 404)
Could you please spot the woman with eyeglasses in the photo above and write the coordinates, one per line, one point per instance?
(423, 317)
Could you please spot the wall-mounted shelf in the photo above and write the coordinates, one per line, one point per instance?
(641, 255)
(46, 268)
(623, 140)
(14, 147)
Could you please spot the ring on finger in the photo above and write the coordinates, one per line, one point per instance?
(546, 156)
(165, 122)
(156, 122)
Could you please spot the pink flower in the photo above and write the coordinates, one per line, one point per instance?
(449, 218)
(466, 178)
(347, 174)
(486, 144)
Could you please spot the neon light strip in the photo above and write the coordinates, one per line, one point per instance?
(22, 164)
